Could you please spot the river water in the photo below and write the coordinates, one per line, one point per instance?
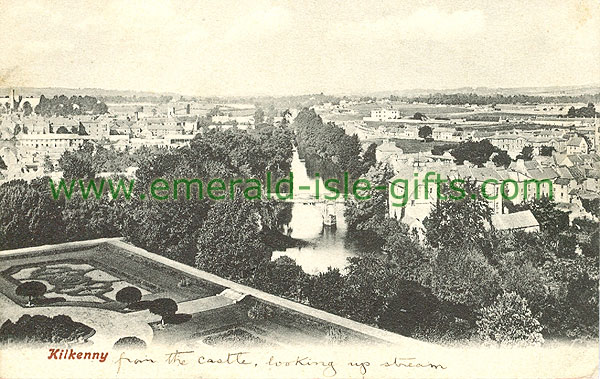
(327, 246)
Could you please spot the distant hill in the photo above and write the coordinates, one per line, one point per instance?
(538, 91)
(96, 92)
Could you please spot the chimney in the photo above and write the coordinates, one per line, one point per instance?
(12, 100)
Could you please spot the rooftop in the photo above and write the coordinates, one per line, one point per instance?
(512, 221)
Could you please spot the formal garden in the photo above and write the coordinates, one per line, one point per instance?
(93, 278)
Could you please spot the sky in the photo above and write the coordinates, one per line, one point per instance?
(259, 47)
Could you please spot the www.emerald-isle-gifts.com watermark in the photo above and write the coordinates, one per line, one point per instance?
(400, 190)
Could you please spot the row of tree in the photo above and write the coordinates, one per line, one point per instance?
(587, 112)
(190, 231)
(473, 98)
(480, 152)
(67, 106)
(328, 150)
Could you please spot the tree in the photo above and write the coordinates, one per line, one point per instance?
(62, 130)
(144, 224)
(327, 148)
(128, 295)
(259, 116)
(31, 289)
(326, 291)
(589, 111)
(502, 159)
(402, 248)
(425, 131)
(589, 233)
(475, 152)
(441, 149)
(369, 157)
(230, 243)
(546, 151)
(509, 320)
(592, 206)
(215, 111)
(29, 216)
(48, 165)
(526, 153)
(163, 307)
(282, 277)
(27, 109)
(65, 106)
(457, 223)
(81, 130)
(358, 212)
(370, 282)
(419, 116)
(464, 276)
(78, 164)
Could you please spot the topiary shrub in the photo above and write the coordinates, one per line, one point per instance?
(163, 307)
(31, 289)
(129, 343)
(128, 295)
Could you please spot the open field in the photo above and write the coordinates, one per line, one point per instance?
(413, 146)
(410, 146)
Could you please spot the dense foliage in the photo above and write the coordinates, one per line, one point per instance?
(473, 98)
(41, 329)
(328, 150)
(475, 152)
(65, 106)
(589, 111)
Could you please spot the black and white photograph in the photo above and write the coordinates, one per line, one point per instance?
(299, 189)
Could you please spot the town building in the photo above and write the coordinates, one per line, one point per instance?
(523, 221)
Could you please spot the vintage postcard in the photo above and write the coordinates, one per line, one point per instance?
(299, 189)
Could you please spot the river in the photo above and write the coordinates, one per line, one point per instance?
(326, 247)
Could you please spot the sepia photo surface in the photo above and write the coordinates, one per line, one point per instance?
(299, 189)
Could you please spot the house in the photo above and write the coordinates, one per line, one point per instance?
(562, 188)
(509, 142)
(53, 144)
(387, 151)
(413, 193)
(158, 127)
(524, 220)
(443, 134)
(576, 145)
(383, 115)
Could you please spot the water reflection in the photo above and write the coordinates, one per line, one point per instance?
(327, 246)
